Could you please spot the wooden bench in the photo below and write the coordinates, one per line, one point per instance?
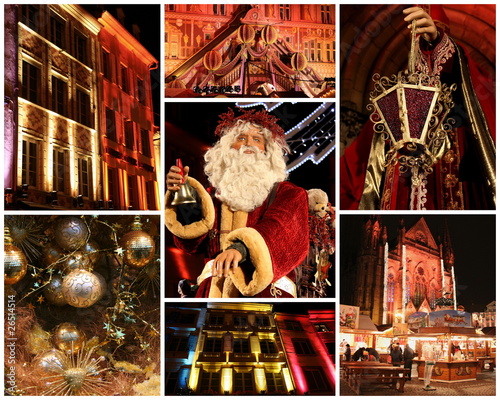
(486, 360)
(344, 366)
(359, 376)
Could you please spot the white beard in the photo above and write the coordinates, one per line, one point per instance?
(243, 181)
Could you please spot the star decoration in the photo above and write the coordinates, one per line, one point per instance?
(40, 299)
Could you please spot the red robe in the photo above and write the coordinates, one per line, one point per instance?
(276, 236)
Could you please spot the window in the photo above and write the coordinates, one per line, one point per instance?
(124, 76)
(240, 322)
(268, 347)
(262, 321)
(58, 170)
(141, 91)
(219, 9)
(293, 325)
(29, 16)
(106, 65)
(326, 17)
(285, 12)
(176, 317)
(57, 30)
(83, 108)
(316, 381)
(275, 382)
(216, 320)
(171, 382)
(241, 346)
(170, 7)
(321, 328)
(59, 96)
(129, 134)
(132, 192)
(110, 124)
(80, 50)
(177, 343)
(29, 162)
(209, 382)
(31, 83)
(150, 195)
(213, 345)
(242, 381)
(302, 346)
(146, 147)
(84, 176)
(329, 56)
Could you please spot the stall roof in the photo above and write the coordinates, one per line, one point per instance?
(365, 323)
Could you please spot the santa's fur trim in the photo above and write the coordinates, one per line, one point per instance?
(196, 229)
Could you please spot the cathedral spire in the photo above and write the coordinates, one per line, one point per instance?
(446, 248)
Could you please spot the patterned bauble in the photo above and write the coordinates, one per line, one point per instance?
(51, 252)
(68, 338)
(82, 288)
(92, 250)
(53, 291)
(138, 246)
(15, 262)
(76, 260)
(50, 362)
(70, 233)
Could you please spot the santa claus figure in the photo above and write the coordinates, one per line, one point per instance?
(251, 224)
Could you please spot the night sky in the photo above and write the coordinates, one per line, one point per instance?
(472, 240)
(148, 18)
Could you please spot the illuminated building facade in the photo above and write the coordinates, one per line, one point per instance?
(268, 49)
(308, 341)
(55, 108)
(391, 281)
(127, 119)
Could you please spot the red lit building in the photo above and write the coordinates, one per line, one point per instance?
(308, 341)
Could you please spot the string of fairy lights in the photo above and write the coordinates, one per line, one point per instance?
(310, 139)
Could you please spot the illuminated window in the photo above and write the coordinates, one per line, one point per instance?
(57, 35)
(129, 134)
(31, 83)
(219, 9)
(83, 108)
(80, 48)
(30, 16)
(209, 382)
(59, 96)
(285, 13)
(177, 343)
(170, 7)
(316, 381)
(293, 325)
(29, 162)
(106, 65)
(241, 346)
(242, 381)
(150, 195)
(262, 321)
(84, 176)
(110, 124)
(275, 382)
(146, 148)
(268, 347)
(213, 345)
(124, 77)
(240, 322)
(59, 170)
(171, 379)
(302, 346)
(326, 17)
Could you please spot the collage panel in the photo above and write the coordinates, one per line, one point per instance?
(249, 50)
(417, 107)
(242, 348)
(417, 304)
(82, 305)
(82, 107)
(265, 227)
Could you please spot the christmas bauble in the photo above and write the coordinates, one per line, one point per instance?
(91, 249)
(70, 233)
(15, 264)
(53, 291)
(51, 252)
(77, 260)
(138, 246)
(68, 338)
(51, 361)
(82, 288)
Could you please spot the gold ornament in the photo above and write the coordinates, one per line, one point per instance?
(77, 260)
(91, 249)
(53, 291)
(51, 361)
(51, 252)
(138, 246)
(82, 288)
(70, 233)
(15, 262)
(68, 338)
(38, 340)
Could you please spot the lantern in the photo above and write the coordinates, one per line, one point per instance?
(212, 60)
(299, 62)
(245, 34)
(269, 35)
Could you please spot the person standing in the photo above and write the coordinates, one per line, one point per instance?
(408, 355)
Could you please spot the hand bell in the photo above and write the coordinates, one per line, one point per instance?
(185, 194)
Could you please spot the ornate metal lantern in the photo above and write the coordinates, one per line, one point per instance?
(409, 110)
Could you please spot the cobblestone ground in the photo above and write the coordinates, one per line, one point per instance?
(485, 385)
